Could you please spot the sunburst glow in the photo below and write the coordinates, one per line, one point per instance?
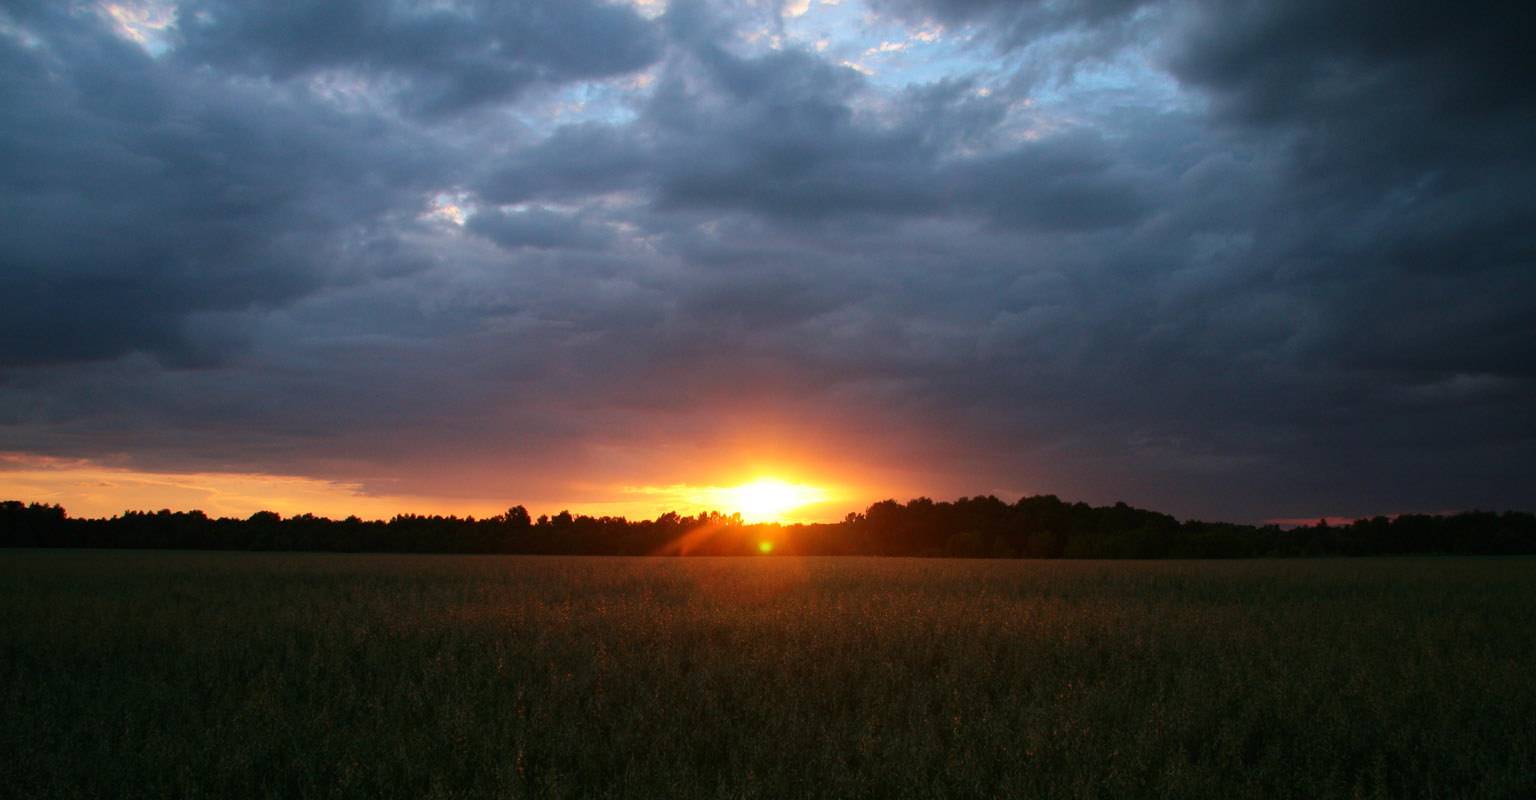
(765, 499)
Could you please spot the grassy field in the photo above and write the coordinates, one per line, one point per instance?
(132, 674)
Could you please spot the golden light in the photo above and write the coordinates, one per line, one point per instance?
(765, 499)
(90, 489)
(765, 547)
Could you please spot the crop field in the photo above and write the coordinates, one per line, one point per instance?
(154, 674)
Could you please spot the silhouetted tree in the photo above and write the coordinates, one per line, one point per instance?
(983, 526)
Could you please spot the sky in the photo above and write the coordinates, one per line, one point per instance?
(1231, 260)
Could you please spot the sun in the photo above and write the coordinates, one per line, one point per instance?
(766, 498)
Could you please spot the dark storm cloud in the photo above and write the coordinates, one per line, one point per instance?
(574, 162)
(450, 57)
(1066, 183)
(779, 135)
(1314, 60)
(1372, 248)
(1407, 130)
(1285, 272)
(134, 196)
(774, 135)
(540, 229)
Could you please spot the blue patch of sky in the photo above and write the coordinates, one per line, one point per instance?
(1071, 88)
(611, 102)
(891, 53)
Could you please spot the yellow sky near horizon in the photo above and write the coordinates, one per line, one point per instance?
(88, 489)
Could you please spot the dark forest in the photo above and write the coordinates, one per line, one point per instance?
(975, 527)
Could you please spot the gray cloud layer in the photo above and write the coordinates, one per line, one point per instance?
(1297, 279)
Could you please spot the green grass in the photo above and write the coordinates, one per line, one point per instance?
(133, 674)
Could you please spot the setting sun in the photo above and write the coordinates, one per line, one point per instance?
(766, 498)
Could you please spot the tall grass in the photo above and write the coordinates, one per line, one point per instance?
(202, 675)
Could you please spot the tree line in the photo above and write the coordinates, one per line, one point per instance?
(1041, 526)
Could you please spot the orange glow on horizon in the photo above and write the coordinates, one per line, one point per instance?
(88, 488)
(761, 499)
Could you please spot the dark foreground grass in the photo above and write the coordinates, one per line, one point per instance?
(235, 675)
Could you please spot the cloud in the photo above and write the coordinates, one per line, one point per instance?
(1075, 32)
(537, 228)
(436, 59)
(139, 195)
(1065, 183)
(574, 162)
(1254, 261)
(1402, 135)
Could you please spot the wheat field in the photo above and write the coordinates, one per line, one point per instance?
(159, 674)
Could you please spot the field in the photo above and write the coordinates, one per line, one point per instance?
(134, 674)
